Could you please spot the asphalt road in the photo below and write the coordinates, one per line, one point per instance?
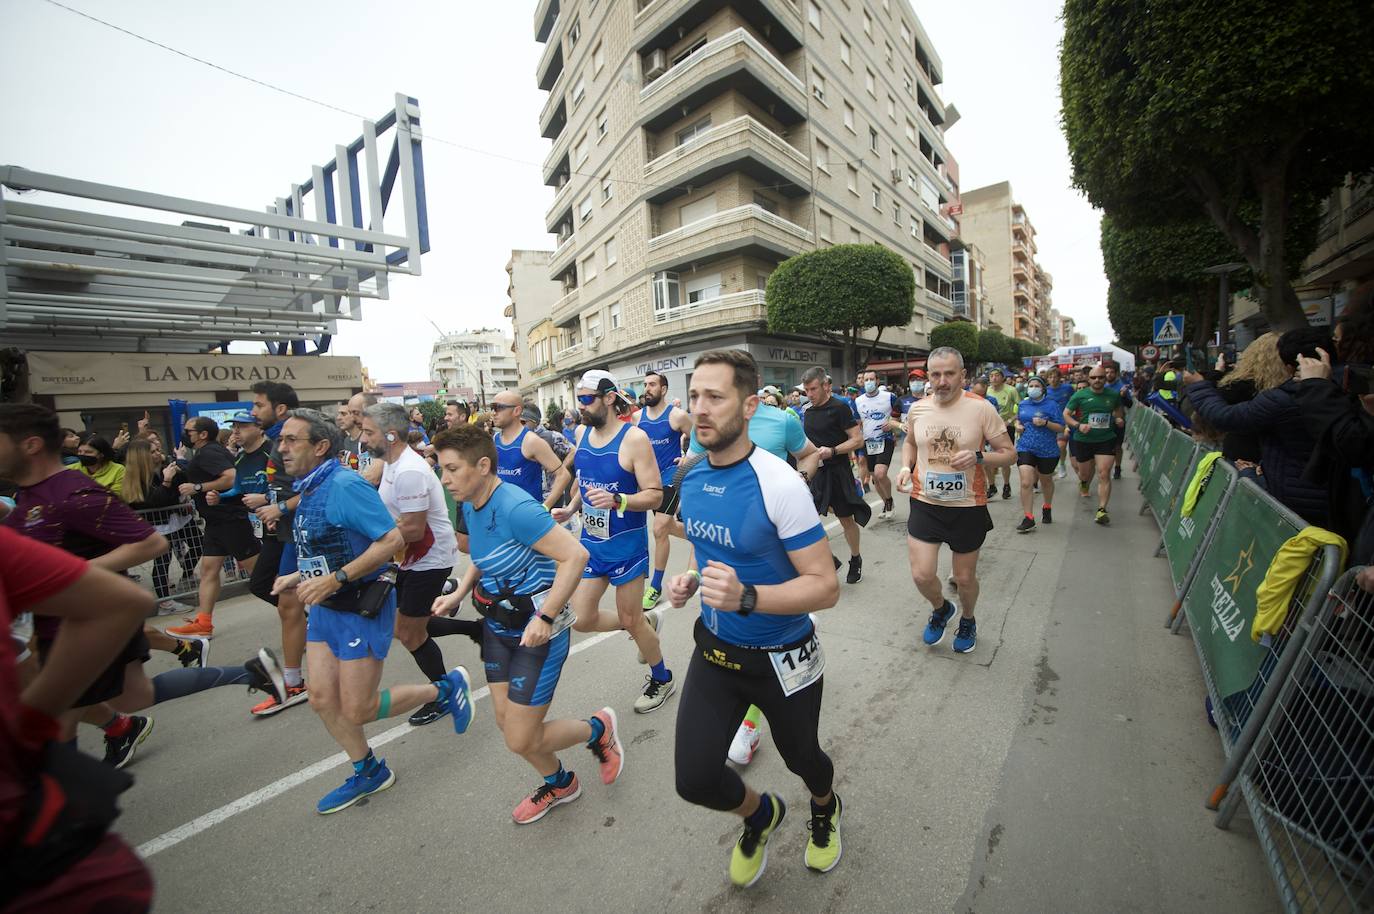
(1060, 767)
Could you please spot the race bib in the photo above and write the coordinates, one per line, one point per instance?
(874, 446)
(1099, 420)
(257, 524)
(561, 622)
(945, 486)
(596, 522)
(364, 461)
(315, 566)
(799, 668)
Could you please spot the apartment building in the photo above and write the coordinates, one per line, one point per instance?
(969, 294)
(478, 359)
(1018, 288)
(532, 296)
(698, 143)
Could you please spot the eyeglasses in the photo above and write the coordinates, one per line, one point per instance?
(291, 439)
(1096, 377)
(188, 431)
(587, 399)
(497, 407)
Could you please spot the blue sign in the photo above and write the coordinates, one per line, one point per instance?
(1169, 330)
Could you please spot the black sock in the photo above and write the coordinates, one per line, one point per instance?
(429, 659)
(439, 626)
(826, 810)
(762, 816)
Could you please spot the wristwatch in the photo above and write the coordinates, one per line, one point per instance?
(198, 487)
(978, 456)
(748, 600)
(543, 617)
(341, 576)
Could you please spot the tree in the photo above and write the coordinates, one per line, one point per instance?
(994, 347)
(840, 291)
(553, 415)
(432, 411)
(957, 334)
(1247, 112)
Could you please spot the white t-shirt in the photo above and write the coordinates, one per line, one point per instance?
(874, 411)
(409, 485)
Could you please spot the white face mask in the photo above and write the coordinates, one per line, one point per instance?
(918, 386)
(1035, 392)
(870, 386)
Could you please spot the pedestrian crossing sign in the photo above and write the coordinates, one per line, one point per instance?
(1169, 330)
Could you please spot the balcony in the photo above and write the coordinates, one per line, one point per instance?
(550, 68)
(561, 208)
(742, 144)
(572, 353)
(562, 256)
(554, 117)
(737, 307)
(937, 301)
(566, 307)
(735, 60)
(545, 15)
(750, 229)
(937, 260)
(658, 23)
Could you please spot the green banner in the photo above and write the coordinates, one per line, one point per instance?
(1170, 474)
(1151, 446)
(1220, 604)
(1183, 536)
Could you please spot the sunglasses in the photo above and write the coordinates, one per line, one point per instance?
(587, 399)
(497, 407)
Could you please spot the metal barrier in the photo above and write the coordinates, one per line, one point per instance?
(172, 576)
(1169, 475)
(1151, 443)
(1185, 539)
(1308, 780)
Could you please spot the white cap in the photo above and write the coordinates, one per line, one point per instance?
(602, 382)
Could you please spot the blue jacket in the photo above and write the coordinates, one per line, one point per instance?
(1286, 444)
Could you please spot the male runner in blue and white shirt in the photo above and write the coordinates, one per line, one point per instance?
(665, 425)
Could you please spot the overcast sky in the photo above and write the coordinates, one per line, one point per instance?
(88, 102)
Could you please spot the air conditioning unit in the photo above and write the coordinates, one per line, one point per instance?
(657, 65)
(594, 343)
(896, 176)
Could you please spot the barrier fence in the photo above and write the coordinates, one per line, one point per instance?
(173, 577)
(1293, 709)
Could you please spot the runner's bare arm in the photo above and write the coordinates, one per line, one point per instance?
(412, 525)
(815, 587)
(808, 459)
(564, 477)
(129, 555)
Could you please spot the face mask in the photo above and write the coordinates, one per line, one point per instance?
(87, 460)
(1035, 392)
(918, 386)
(870, 386)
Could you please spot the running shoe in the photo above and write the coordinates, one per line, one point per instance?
(745, 743)
(655, 619)
(355, 788)
(193, 652)
(427, 713)
(992, 490)
(1045, 516)
(1082, 489)
(199, 627)
(458, 700)
(294, 696)
(1061, 473)
(119, 750)
(265, 674)
(537, 805)
(888, 506)
(651, 597)
(1101, 517)
(966, 638)
(1116, 471)
(609, 752)
(823, 847)
(654, 695)
(856, 570)
(749, 858)
(172, 608)
(935, 628)
(1027, 524)
(1006, 490)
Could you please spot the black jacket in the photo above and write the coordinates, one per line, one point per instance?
(1286, 444)
(1345, 443)
(1239, 445)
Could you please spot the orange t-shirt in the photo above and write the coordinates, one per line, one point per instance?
(939, 432)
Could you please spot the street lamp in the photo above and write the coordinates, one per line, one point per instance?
(1223, 273)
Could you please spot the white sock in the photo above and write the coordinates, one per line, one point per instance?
(293, 676)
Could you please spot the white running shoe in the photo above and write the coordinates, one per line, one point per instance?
(745, 744)
(1061, 473)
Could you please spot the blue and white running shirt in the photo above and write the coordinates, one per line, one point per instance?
(749, 515)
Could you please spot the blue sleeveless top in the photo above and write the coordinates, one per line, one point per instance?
(667, 441)
(514, 467)
(609, 535)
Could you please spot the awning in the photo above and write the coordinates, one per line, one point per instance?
(891, 365)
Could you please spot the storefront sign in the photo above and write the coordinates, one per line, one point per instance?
(57, 373)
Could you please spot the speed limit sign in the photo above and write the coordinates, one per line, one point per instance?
(1149, 353)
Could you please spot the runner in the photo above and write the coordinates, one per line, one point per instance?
(1038, 422)
(665, 427)
(761, 568)
(836, 431)
(916, 389)
(943, 466)
(350, 427)
(617, 483)
(1094, 414)
(525, 568)
(523, 457)
(227, 530)
(1121, 386)
(413, 495)
(1058, 390)
(343, 537)
(878, 410)
(1007, 398)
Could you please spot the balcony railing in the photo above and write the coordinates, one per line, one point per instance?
(563, 354)
(568, 302)
(561, 253)
(740, 125)
(725, 44)
(725, 217)
(935, 298)
(752, 298)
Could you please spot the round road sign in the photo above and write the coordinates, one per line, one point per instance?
(1149, 352)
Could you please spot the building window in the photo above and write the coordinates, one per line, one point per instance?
(868, 24)
(687, 134)
(602, 125)
(873, 139)
(594, 327)
(703, 288)
(907, 83)
(824, 224)
(894, 162)
(813, 14)
(606, 189)
(871, 83)
(589, 267)
(892, 109)
(844, 54)
(667, 292)
(906, 35)
(915, 227)
(584, 210)
(822, 156)
(911, 132)
(581, 152)
(690, 50)
(818, 86)
(695, 212)
(887, 52)
(911, 178)
(855, 236)
(877, 198)
(766, 203)
(614, 312)
(761, 281)
(579, 92)
(897, 214)
(574, 34)
(853, 179)
(849, 116)
(598, 57)
(612, 251)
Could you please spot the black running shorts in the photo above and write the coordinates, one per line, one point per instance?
(1044, 465)
(1085, 451)
(416, 591)
(962, 529)
(230, 537)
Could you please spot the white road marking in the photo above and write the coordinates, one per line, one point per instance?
(246, 802)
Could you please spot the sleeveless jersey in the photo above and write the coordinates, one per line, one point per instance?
(609, 535)
(667, 441)
(514, 467)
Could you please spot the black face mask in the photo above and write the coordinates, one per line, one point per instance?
(87, 460)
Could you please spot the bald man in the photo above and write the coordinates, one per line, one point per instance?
(522, 456)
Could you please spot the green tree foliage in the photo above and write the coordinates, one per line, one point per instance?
(840, 291)
(553, 415)
(432, 410)
(959, 334)
(1246, 111)
(993, 346)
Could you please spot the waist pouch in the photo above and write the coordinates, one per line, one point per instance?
(365, 598)
(70, 805)
(506, 609)
(736, 658)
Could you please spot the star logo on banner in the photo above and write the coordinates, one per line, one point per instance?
(1238, 573)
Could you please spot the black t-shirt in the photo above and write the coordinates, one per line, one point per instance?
(207, 464)
(828, 425)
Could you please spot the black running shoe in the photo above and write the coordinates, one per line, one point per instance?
(119, 751)
(1006, 490)
(1116, 472)
(265, 674)
(856, 570)
(1027, 524)
(193, 652)
(992, 490)
(427, 713)
(1045, 516)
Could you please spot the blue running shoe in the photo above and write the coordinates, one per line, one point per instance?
(935, 628)
(355, 788)
(455, 696)
(966, 637)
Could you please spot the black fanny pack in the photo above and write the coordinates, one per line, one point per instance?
(364, 598)
(507, 609)
(736, 658)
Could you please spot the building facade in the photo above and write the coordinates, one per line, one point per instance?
(1018, 288)
(698, 143)
(480, 360)
(969, 292)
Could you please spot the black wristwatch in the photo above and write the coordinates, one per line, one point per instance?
(748, 600)
(341, 576)
(544, 618)
(978, 456)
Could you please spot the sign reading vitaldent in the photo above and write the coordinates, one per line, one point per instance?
(174, 373)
